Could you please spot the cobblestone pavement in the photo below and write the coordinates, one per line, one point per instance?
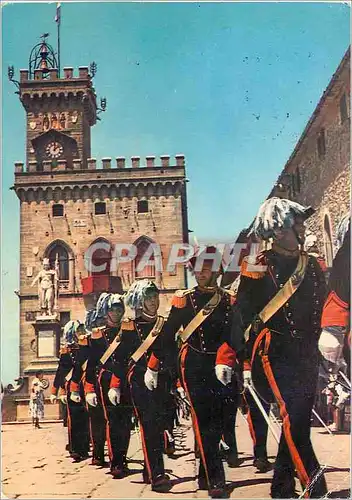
(36, 465)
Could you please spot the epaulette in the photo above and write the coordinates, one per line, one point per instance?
(250, 265)
(231, 294)
(179, 300)
(97, 333)
(128, 325)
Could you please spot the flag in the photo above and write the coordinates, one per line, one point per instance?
(58, 13)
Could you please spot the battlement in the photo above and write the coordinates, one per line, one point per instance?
(50, 74)
(106, 164)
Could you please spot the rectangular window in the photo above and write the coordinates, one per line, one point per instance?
(58, 210)
(100, 208)
(65, 317)
(142, 207)
(343, 108)
(321, 144)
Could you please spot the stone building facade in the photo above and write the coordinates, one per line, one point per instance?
(318, 171)
(71, 204)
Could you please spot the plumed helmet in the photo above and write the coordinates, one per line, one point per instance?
(137, 293)
(342, 229)
(201, 254)
(116, 300)
(70, 332)
(276, 214)
(102, 306)
(90, 320)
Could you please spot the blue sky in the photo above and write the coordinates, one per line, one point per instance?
(230, 85)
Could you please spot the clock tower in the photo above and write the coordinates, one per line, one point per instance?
(60, 111)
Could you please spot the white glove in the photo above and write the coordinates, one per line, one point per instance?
(114, 395)
(247, 378)
(63, 399)
(223, 373)
(53, 398)
(181, 392)
(92, 399)
(151, 379)
(75, 397)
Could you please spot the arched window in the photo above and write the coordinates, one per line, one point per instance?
(59, 255)
(100, 257)
(328, 246)
(146, 265)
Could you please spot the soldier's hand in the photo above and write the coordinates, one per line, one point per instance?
(151, 379)
(63, 399)
(114, 395)
(75, 397)
(223, 373)
(247, 378)
(53, 398)
(92, 399)
(181, 392)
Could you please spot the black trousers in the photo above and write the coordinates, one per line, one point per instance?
(257, 426)
(77, 423)
(229, 414)
(206, 396)
(168, 405)
(97, 427)
(148, 406)
(118, 421)
(291, 380)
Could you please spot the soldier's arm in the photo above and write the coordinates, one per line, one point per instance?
(226, 354)
(164, 348)
(77, 371)
(65, 365)
(97, 348)
(249, 302)
(129, 344)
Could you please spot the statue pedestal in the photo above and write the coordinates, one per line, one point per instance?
(47, 334)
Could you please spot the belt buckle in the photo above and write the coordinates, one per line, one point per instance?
(295, 334)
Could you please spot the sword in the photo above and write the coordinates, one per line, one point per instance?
(263, 412)
(322, 422)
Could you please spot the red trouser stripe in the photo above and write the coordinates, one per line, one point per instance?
(111, 455)
(69, 421)
(286, 424)
(197, 433)
(144, 446)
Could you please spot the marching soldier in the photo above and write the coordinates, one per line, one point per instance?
(58, 390)
(279, 305)
(336, 336)
(204, 312)
(132, 356)
(77, 419)
(117, 411)
(97, 422)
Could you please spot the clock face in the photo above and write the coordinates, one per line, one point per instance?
(54, 149)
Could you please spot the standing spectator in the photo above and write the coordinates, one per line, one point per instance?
(36, 405)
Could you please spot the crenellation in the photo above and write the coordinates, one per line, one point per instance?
(165, 161)
(68, 72)
(92, 163)
(106, 162)
(120, 162)
(136, 161)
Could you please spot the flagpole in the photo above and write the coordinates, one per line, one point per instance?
(58, 21)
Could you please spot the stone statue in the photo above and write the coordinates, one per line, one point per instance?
(47, 288)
